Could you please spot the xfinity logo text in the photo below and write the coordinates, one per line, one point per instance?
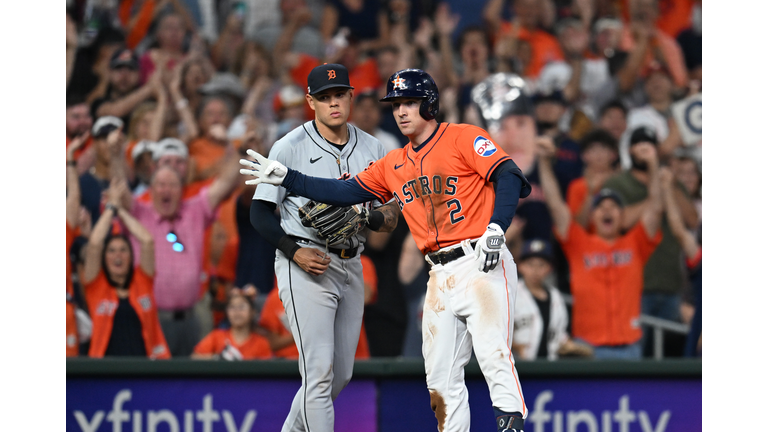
(621, 420)
(150, 421)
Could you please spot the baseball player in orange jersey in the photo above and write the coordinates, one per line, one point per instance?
(458, 192)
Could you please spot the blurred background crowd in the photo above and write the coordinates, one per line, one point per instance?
(165, 96)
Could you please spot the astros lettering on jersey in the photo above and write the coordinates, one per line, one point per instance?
(433, 183)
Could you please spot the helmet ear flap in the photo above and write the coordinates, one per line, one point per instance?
(430, 106)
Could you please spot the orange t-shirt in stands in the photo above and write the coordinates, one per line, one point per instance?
(72, 341)
(607, 283)
(103, 301)
(670, 49)
(208, 156)
(544, 48)
(273, 309)
(255, 347)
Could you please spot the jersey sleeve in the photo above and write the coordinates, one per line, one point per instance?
(575, 238)
(374, 180)
(479, 151)
(645, 245)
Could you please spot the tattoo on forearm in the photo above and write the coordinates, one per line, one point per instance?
(391, 213)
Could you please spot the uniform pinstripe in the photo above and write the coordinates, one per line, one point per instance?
(325, 312)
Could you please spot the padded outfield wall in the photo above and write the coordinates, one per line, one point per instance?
(385, 395)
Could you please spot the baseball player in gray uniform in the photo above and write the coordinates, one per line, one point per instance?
(321, 286)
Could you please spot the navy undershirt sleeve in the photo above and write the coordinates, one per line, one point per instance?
(329, 191)
(510, 185)
(264, 222)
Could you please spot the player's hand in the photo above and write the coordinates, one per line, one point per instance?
(488, 248)
(312, 261)
(265, 170)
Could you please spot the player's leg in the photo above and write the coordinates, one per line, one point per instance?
(310, 306)
(447, 348)
(349, 319)
(490, 319)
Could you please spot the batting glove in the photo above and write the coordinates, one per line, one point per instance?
(265, 170)
(488, 248)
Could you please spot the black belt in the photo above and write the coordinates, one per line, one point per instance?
(342, 253)
(450, 255)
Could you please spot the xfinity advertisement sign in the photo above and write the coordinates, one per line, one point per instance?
(389, 405)
(202, 405)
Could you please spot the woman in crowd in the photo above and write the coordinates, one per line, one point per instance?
(242, 341)
(119, 296)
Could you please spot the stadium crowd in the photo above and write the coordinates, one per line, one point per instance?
(165, 96)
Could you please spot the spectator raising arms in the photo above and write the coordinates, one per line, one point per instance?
(242, 341)
(606, 267)
(120, 296)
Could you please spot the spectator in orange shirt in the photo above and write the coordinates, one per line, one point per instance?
(526, 27)
(241, 341)
(606, 267)
(650, 45)
(599, 151)
(207, 151)
(273, 318)
(120, 296)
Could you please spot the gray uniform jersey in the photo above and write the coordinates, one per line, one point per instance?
(324, 312)
(304, 150)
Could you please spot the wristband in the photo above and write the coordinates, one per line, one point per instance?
(288, 247)
(112, 207)
(181, 104)
(375, 220)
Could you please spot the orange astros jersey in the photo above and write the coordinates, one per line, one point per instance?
(443, 188)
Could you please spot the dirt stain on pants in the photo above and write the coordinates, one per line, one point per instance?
(438, 406)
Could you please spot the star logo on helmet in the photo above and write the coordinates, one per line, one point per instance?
(399, 83)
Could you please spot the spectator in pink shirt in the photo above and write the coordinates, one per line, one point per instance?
(178, 226)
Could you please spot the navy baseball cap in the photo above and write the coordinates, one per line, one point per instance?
(327, 76)
(536, 248)
(643, 134)
(124, 58)
(607, 193)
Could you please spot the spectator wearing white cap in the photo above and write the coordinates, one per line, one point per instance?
(108, 146)
(141, 155)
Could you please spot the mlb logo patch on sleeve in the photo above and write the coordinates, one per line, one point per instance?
(484, 147)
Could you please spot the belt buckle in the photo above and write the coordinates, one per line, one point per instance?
(344, 255)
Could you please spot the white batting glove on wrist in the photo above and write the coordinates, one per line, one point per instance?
(488, 248)
(265, 170)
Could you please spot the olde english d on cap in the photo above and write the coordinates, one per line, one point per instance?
(327, 76)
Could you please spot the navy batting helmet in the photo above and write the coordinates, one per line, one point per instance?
(415, 83)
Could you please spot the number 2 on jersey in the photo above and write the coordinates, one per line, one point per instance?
(455, 210)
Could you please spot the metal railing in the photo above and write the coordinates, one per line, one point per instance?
(658, 326)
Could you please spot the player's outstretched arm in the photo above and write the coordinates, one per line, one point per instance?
(329, 191)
